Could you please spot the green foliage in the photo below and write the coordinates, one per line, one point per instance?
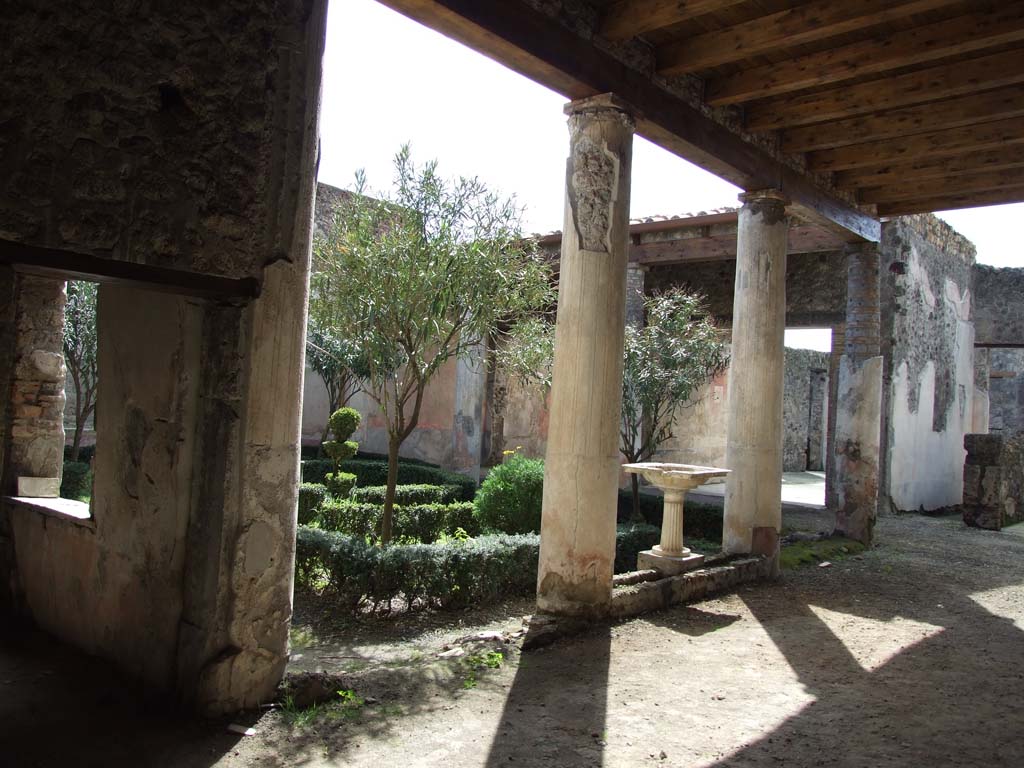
(509, 500)
(816, 551)
(311, 497)
(342, 423)
(412, 523)
(315, 470)
(340, 484)
(449, 574)
(418, 277)
(336, 358)
(370, 472)
(419, 493)
(76, 482)
(700, 521)
(80, 354)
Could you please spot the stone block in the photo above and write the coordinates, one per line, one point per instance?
(39, 487)
(666, 564)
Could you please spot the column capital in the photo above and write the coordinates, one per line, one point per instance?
(602, 102)
(754, 196)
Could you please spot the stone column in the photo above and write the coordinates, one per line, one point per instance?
(34, 434)
(859, 400)
(635, 277)
(581, 474)
(981, 403)
(753, 490)
(835, 357)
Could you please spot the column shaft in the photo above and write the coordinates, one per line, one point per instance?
(581, 474)
(753, 490)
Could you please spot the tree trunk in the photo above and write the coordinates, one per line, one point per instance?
(76, 444)
(394, 443)
(634, 481)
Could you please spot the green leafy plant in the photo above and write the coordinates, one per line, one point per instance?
(510, 498)
(80, 354)
(420, 276)
(342, 424)
(311, 498)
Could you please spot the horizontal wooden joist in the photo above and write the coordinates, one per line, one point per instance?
(927, 85)
(70, 265)
(802, 239)
(537, 46)
(962, 111)
(931, 144)
(1011, 156)
(974, 32)
(628, 18)
(918, 188)
(951, 200)
(807, 23)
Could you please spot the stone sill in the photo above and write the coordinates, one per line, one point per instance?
(74, 512)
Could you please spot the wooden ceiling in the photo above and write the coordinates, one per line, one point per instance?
(856, 108)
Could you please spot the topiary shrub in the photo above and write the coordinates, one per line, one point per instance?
(509, 500)
(76, 481)
(372, 472)
(343, 423)
(424, 523)
(419, 493)
(311, 497)
(340, 484)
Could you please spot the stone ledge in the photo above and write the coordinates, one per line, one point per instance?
(74, 512)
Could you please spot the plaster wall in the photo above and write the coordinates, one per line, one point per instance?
(928, 345)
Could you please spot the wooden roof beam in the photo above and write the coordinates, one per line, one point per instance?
(802, 239)
(537, 46)
(963, 111)
(933, 167)
(817, 20)
(629, 18)
(977, 31)
(933, 84)
(952, 201)
(922, 188)
(932, 144)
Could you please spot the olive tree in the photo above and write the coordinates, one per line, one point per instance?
(418, 276)
(666, 362)
(80, 354)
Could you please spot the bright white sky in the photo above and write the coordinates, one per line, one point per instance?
(388, 80)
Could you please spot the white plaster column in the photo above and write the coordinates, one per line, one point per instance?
(581, 474)
(859, 400)
(753, 490)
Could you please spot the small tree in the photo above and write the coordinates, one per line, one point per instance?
(418, 277)
(342, 423)
(80, 354)
(336, 359)
(665, 363)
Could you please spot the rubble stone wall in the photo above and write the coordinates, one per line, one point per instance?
(993, 480)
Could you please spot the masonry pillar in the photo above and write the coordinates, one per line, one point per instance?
(636, 275)
(981, 403)
(34, 433)
(581, 474)
(835, 357)
(859, 400)
(753, 489)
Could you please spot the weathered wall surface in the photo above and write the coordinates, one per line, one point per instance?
(698, 432)
(114, 586)
(928, 345)
(998, 305)
(993, 480)
(1006, 390)
(805, 375)
(814, 296)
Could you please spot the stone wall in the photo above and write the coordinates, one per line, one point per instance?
(1006, 390)
(815, 287)
(998, 308)
(802, 408)
(928, 377)
(993, 481)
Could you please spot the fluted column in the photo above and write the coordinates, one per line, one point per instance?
(581, 473)
(753, 490)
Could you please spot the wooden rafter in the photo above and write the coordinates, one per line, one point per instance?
(933, 84)
(818, 20)
(1011, 156)
(802, 239)
(920, 188)
(952, 200)
(629, 18)
(932, 144)
(962, 111)
(958, 36)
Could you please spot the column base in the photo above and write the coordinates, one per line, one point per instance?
(668, 565)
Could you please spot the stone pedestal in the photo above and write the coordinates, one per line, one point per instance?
(753, 490)
(581, 472)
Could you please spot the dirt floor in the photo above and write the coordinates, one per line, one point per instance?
(911, 654)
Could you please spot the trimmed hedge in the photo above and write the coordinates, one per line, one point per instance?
(371, 472)
(419, 522)
(311, 498)
(452, 574)
(409, 494)
(509, 500)
(700, 521)
(76, 480)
